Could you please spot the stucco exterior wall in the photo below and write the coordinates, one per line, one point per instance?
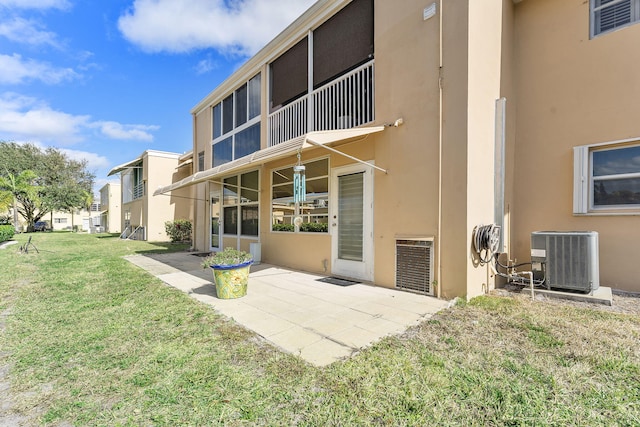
(159, 209)
(111, 217)
(572, 90)
(484, 60)
(407, 72)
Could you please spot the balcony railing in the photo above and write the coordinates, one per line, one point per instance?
(138, 190)
(341, 104)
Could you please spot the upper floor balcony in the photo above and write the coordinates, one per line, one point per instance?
(343, 103)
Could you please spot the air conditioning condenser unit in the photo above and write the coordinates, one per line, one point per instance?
(566, 260)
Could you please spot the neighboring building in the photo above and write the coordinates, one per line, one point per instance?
(79, 220)
(418, 122)
(143, 217)
(110, 202)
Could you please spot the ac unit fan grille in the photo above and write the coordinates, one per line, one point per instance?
(413, 265)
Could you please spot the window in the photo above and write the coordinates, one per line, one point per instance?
(236, 123)
(240, 203)
(607, 177)
(343, 42)
(133, 184)
(59, 220)
(201, 161)
(314, 211)
(289, 73)
(608, 15)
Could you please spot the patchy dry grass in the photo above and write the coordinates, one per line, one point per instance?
(93, 340)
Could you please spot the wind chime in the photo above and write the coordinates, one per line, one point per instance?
(299, 190)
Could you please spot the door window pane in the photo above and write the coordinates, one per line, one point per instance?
(215, 221)
(350, 214)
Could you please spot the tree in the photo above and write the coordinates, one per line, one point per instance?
(62, 183)
(22, 190)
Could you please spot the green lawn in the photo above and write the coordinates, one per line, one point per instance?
(93, 340)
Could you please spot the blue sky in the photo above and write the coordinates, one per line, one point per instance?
(106, 80)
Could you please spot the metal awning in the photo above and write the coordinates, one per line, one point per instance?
(321, 139)
(124, 166)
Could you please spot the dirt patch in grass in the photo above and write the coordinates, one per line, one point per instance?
(623, 302)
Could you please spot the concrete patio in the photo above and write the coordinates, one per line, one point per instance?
(320, 322)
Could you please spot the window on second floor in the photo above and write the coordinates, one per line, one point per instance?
(133, 184)
(608, 15)
(201, 161)
(236, 123)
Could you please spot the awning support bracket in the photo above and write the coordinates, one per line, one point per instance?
(355, 159)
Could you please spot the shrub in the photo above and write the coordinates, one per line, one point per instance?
(282, 227)
(6, 232)
(309, 227)
(178, 230)
(314, 227)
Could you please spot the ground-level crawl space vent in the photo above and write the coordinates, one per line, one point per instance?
(414, 259)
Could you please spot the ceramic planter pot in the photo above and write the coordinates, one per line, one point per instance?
(231, 280)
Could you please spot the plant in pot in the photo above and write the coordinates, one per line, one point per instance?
(230, 272)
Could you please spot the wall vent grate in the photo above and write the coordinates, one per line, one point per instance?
(414, 259)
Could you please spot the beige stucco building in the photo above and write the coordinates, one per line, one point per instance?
(111, 208)
(143, 216)
(417, 122)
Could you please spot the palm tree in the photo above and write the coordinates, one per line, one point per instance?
(18, 187)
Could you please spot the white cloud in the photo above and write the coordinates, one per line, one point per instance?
(26, 118)
(177, 26)
(206, 65)
(14, 70)
(27, 31)
(36, 4)
(115, 130)
(94, 161)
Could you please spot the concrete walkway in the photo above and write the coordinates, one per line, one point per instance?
(320, 322)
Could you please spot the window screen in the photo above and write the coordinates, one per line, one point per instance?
(343, 42)
(289, 75)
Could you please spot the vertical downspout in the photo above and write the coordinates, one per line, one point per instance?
(440, 125)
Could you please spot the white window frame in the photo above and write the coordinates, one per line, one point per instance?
(328, 177)
(634, 5)
(239, 204)
(583, 182)
(235, 130)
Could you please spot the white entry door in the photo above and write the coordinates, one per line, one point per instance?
(351, 222)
